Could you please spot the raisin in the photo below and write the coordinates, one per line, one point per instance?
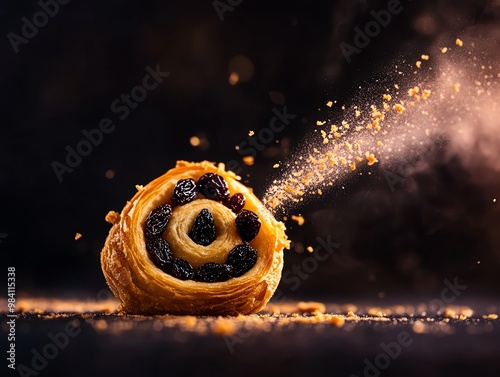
(203, 230)
(184, 191)
(157, 220)
(248, 224)
(242, 257)
(212, 272)
(213, 186)
(181, 269)
(159, 252)
(236, 203)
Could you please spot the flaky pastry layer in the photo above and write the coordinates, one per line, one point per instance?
(142, 288)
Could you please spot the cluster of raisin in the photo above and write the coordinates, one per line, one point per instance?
(240, 259)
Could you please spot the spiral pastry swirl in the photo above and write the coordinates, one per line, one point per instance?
(194, 241)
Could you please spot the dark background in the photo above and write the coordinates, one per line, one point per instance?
(64, 79)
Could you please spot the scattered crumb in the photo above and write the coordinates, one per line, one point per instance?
(418, 327)
(450, 313)
(490, 316)
(320, 123)
(78, 236)
(112, 217)
(194, 141)
(459, 42)
(100, 325)
(190, 321)
(329, 103)
(399, 108)
(373, 311)
(311, 307)
(224, 327)
(251, 133)
(337, 321)
(324, 136)
(418, 64)
(425, 57)
(444, 49)
(300, 219)
(387, 97)
(371, 158)
(139, 187)
(109, 174)
(310, 249)
(456, 87)
(413, 91)
(275, 166)
(248, 160)
(233, 78)
(466, 312)
(106, 317)
(426, 93)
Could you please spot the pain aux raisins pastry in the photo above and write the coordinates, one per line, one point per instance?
(194, 241)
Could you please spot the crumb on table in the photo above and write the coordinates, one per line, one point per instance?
(311, 307)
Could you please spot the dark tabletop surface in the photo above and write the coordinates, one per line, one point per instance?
(97, 341)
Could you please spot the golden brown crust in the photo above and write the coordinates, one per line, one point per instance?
(142, 288)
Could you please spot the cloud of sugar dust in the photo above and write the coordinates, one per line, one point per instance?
(447, 96)
(475, 137)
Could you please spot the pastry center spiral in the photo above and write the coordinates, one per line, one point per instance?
(189, 241)
(181, 223)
